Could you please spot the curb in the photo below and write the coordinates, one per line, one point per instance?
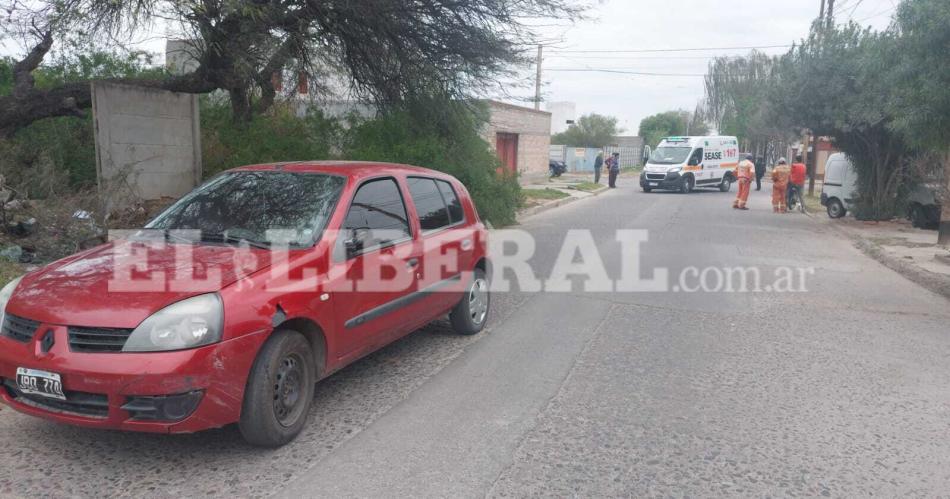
(933, 282)
(550, 205)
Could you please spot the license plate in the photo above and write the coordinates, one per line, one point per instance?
(654, 184)
(39, 382)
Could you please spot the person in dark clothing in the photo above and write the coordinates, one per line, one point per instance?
(614, 170)
(598, 166)
(759, 172)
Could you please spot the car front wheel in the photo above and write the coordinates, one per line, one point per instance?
(835, 208)
(279, 390)
(471, 313)
(686, 186)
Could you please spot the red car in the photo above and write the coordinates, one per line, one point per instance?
(232, 303)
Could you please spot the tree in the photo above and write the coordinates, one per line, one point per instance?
(737, 100)
(654, 128)
(591, 130)
(921, 103)
(385, 51)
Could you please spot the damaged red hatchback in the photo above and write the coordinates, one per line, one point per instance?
(232, 303)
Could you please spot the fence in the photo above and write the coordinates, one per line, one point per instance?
(581, 159)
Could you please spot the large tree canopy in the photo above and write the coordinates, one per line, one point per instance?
(654, 128)
(382, 50)
(591, 130)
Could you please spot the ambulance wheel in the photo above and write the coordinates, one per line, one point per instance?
(686, 186)
(725, 185)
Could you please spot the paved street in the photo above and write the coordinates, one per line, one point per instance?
(840, 390)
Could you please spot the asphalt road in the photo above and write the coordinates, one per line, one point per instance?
(839, 390)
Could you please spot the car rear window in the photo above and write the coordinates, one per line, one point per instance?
(456, 214)
(433, 213)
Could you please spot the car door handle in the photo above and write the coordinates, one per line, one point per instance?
(412, 263)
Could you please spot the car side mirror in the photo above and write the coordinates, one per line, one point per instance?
(356, 242)
(693, 162)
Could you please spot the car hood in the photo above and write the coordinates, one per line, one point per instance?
(81, 290)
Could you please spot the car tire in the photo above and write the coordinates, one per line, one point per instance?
(686, 186)
(835, 208)
(279, 390)
(647, 189)
(471, 313)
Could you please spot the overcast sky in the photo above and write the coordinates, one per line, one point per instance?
(625, 25)
(664, 24)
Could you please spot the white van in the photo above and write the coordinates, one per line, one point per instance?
(684, 163)
(841, 182)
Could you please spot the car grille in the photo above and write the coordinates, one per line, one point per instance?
(97, 339)
(656, 176)
(94, 405)
(18, 328)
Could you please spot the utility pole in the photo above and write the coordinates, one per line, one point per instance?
(943, 234)
(811, 160)
(537, 80)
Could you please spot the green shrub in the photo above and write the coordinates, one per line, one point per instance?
(441, 136)
(278, 135)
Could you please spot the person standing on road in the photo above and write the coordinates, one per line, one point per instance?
(796, 179)
(759, 172)
(744, 172)
(614, 163)
(598, 166)
(780, 176)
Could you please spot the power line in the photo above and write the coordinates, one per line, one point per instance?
(619, 71)
(885, 11)
(657, 58)
(692, 49)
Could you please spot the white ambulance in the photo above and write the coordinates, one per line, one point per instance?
(685, 163)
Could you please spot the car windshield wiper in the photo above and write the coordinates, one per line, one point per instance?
(219, 237)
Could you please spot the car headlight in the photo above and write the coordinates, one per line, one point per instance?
(5, 295)
(675, 170)
(190, 323)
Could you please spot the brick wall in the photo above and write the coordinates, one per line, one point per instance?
(534, 135)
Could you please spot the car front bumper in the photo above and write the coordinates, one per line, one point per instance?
(117, 390)
(665, 181)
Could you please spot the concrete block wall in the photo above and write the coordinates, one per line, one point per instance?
(534, 135)
(148, 142)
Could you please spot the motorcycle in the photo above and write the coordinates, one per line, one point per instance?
(556, 168)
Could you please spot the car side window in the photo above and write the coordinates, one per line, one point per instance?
(430, 206)
(697, 158)
(456, 214)
(377, 216)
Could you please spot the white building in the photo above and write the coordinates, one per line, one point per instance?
(561, 114)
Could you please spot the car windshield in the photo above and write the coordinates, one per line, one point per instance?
(669, 155)
(244, 206)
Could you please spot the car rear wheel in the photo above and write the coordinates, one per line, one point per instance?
(279, 390)
(726, 184)
(835, 208)
(471, 313)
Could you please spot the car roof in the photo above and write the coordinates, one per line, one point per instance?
(353, 169)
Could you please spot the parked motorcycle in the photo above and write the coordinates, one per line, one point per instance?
(556, 168)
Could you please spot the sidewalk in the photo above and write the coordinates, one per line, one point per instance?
(572, 186)
(899, 246)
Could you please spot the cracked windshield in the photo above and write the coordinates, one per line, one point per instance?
(491, 248)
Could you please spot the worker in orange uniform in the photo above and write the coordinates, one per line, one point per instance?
(796, 180)
(780, 175)
(745, 173)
